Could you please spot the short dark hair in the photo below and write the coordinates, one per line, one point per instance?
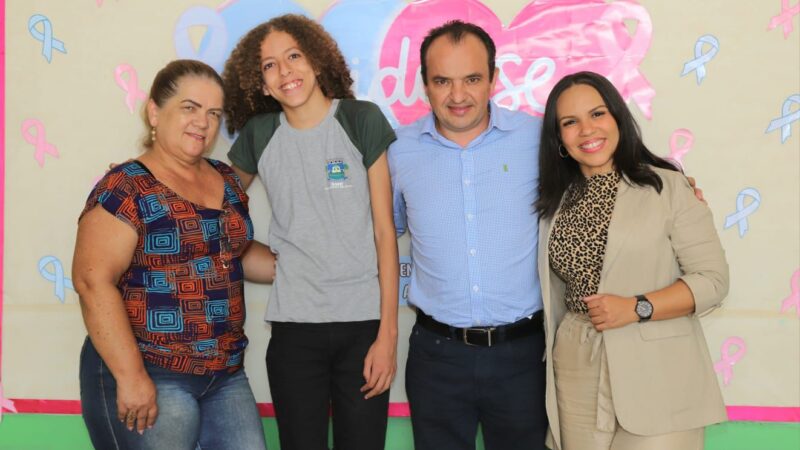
(631, 158)
(165, 85)
(456, 30)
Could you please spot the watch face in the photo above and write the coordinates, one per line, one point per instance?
(644, 309)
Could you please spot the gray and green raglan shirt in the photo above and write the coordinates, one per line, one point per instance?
(321, 227)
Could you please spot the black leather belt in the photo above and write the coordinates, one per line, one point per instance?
(483, 336)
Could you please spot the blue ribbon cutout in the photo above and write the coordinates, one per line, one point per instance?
(56, 276)
(740, 216)
(698, 64)
(785, 121)
(46, 38)
(214, 43)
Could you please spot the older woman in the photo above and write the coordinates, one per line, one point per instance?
(163, 245)
(628, 259)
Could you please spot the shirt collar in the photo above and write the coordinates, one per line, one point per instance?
(499, 118)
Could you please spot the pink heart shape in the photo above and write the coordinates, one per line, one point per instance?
(547, 40)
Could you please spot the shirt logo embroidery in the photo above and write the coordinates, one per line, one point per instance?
(336, 170)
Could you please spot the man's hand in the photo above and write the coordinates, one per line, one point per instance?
(380, 366)
(697, 191)
(112, 165)
(611, 311)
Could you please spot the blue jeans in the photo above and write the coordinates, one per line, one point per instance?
(194, 411)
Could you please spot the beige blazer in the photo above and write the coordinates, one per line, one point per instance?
(661, 374)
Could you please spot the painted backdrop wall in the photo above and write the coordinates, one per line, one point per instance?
(714, 84)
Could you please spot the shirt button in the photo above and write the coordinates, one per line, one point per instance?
(466, 181)
(470, 216)
(472, 251)
(475, 288)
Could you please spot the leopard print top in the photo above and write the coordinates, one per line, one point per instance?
(580, 232)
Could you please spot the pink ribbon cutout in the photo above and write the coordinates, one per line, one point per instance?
(225, 4)
(5, 403)
(793, 300)
(727, 360)
(784, 19)
(678, 150)
(39, 140)
(131, 87)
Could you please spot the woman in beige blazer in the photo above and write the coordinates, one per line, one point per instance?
(628, 259)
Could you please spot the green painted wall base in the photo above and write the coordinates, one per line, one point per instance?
(62, 432)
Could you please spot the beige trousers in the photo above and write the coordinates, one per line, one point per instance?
(585, 407)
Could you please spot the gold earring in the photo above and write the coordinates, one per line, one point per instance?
(152, 134)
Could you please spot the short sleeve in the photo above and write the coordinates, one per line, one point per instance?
(252, 140)
(241, 153)
(117, 193)
(367, 127)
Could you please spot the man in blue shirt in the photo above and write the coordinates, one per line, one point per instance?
(464, 181)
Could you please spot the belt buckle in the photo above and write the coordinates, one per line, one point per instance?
(487, 331)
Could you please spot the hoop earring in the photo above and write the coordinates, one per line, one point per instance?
(560, 150)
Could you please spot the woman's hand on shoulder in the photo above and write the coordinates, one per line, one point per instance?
(611, 311)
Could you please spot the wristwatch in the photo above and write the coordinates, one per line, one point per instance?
(644, 309)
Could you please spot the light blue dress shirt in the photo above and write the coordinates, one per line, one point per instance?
(471, 217)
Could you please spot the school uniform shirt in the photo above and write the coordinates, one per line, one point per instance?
(321, 226)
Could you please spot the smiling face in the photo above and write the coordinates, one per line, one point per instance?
(287, 73)
(187, 123)
(459, 86)
(588, 130)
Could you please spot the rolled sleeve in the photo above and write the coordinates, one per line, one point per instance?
(695, 241)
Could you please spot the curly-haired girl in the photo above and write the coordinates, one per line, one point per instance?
(321, 157)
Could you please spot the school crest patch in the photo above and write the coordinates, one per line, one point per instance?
(336, 170)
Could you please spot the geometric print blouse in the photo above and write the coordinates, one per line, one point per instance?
(580, 232)
(184, 288)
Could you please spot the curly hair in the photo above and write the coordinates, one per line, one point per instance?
(242, 79)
